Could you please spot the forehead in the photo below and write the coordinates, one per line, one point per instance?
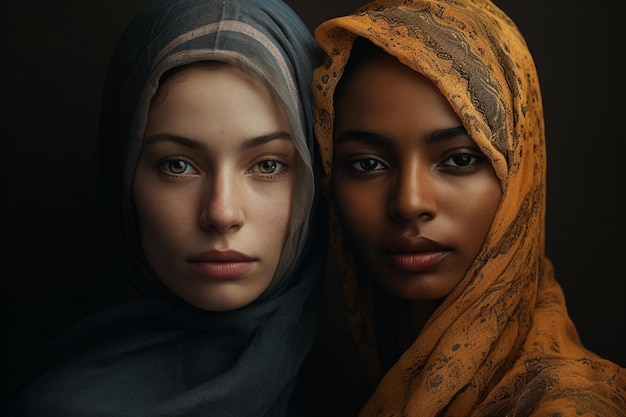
(203, 103)
(379, 74)
(386, 96)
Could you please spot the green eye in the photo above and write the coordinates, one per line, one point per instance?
(268, 167)
(176, 167)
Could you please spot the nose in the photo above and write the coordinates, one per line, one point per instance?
(414, 195)
(222, 204)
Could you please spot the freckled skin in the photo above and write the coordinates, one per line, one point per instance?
(409, 186)
(214, 195)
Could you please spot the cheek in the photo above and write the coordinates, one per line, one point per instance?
(147, 215)
(270, 213)
(485, 204)
(160, 216)
(359, 209)
(276, 218)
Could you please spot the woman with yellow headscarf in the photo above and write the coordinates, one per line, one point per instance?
(431, 128)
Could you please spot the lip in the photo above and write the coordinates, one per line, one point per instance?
(414, 254)
(222, 264)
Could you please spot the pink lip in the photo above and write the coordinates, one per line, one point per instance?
(414, 254)
(222, 264)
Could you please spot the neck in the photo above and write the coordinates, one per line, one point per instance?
(399, 324)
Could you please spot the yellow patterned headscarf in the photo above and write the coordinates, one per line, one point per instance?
(502, 343)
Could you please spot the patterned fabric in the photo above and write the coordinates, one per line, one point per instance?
(157, 355)
(502, 343)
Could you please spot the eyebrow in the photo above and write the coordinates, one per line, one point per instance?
(260, 140)
(194, 144)
(446, 134)
(439, 135)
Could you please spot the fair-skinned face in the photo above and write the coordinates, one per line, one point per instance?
(415, 194)
(213, 186)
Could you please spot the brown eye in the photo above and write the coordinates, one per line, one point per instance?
(367, 165)
(463, 160)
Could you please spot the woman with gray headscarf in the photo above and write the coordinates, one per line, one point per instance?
(208, 176)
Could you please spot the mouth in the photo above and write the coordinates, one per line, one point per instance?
(222, 264)
(415, 262)
(414, 254)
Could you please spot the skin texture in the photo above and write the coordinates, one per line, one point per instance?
(215, 175)
(414, 193)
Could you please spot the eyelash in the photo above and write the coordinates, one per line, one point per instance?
(165, 167)
(358, 165)
(280, 167)
(449, 163)
(474, 160)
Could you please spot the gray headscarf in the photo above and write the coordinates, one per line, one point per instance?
(266, 39)
(157, 355)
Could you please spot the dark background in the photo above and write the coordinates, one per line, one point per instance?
(54, 56)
